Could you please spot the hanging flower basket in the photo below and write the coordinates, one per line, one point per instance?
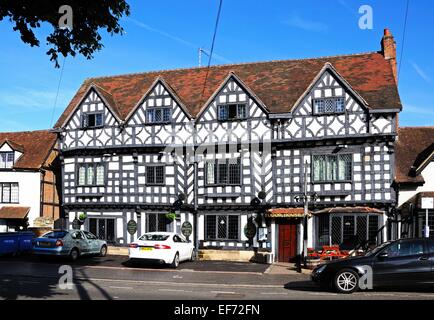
(82, 217)
(171, 216)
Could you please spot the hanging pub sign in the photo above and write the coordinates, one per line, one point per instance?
(250, 230)
(132, 227)
(76, 224)
(186, 229)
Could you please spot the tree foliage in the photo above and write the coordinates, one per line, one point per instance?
(89, 18)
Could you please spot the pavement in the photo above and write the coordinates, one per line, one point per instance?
(113, 278)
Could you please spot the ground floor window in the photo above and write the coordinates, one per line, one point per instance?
(158, 222)
(104, 229)
(347, 230)
(222, 227)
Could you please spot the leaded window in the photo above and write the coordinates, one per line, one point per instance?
(155, 175)
(158, 222)
(6, 160)
(9, 193)
(158, 115)
(223, 172)
(91, 174)
(232, 111)
(332, 167)
(92, 120)
(222, 227)
(348, 229)
(329, 105)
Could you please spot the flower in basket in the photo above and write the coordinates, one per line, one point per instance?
(171, 216)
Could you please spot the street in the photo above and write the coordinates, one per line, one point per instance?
(112, 278)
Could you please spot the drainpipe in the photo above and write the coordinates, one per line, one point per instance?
(195, 222)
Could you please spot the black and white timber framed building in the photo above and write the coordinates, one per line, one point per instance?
(131, 144)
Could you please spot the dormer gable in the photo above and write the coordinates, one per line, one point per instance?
(10, 152)
(329, 94)
(159, 105)
(233, 100)
(95, 110)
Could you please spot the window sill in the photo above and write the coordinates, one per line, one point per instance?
(332, 182)
(158, 123)
(223, 195)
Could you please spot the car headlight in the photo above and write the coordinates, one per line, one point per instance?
(320, 268)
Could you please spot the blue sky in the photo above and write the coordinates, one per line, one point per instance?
(167, 34)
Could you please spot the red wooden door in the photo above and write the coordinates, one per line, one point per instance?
(287, 242)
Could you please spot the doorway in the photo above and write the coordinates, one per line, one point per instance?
(287, 241)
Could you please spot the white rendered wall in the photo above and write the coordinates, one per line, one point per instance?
(29, 191)
(428, 176)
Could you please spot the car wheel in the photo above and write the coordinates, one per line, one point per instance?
(346, 281)
(175, 262)
(103, 251)
(74, 254)
(193, 255)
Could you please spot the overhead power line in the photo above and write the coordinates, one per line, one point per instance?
(403, 37)
(212, 48)
(57, 93)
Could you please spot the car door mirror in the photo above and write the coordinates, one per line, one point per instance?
(383, 255)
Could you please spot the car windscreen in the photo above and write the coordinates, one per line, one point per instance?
(55, 234)
(377, 249)
(154, 237)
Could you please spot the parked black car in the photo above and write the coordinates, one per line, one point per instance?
(404, 262)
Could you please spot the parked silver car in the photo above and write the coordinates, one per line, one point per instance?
(72, 244)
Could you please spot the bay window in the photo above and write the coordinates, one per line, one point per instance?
(91, 174)
(332, 168)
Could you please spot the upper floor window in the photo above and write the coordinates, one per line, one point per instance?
(92, 120)
(9, 193)
(154, 174)
(232, 111)
(223, 172)
(6, 160)
(91, 174)
(329, 105)
(158, 115)
(332, 167)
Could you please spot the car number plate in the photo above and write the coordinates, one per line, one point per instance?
(146, 248)
(44, 244)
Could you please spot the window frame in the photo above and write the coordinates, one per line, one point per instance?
(7, 153)
(86, 115)
(327, 156)
(335, 99)
(2, 184)
(217, 172)
(227, 106)
(154, 168)
(216, 238)
(162, 121)
(95, 168)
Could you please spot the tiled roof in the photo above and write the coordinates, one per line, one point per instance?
(285, 213)
(278, 84)
(35, 146)
(8, 212)
(414, 145)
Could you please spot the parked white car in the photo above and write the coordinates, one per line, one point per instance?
(162, 247)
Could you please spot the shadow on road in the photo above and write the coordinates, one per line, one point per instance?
(27, 288)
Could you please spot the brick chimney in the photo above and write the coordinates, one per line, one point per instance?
(388, 49)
